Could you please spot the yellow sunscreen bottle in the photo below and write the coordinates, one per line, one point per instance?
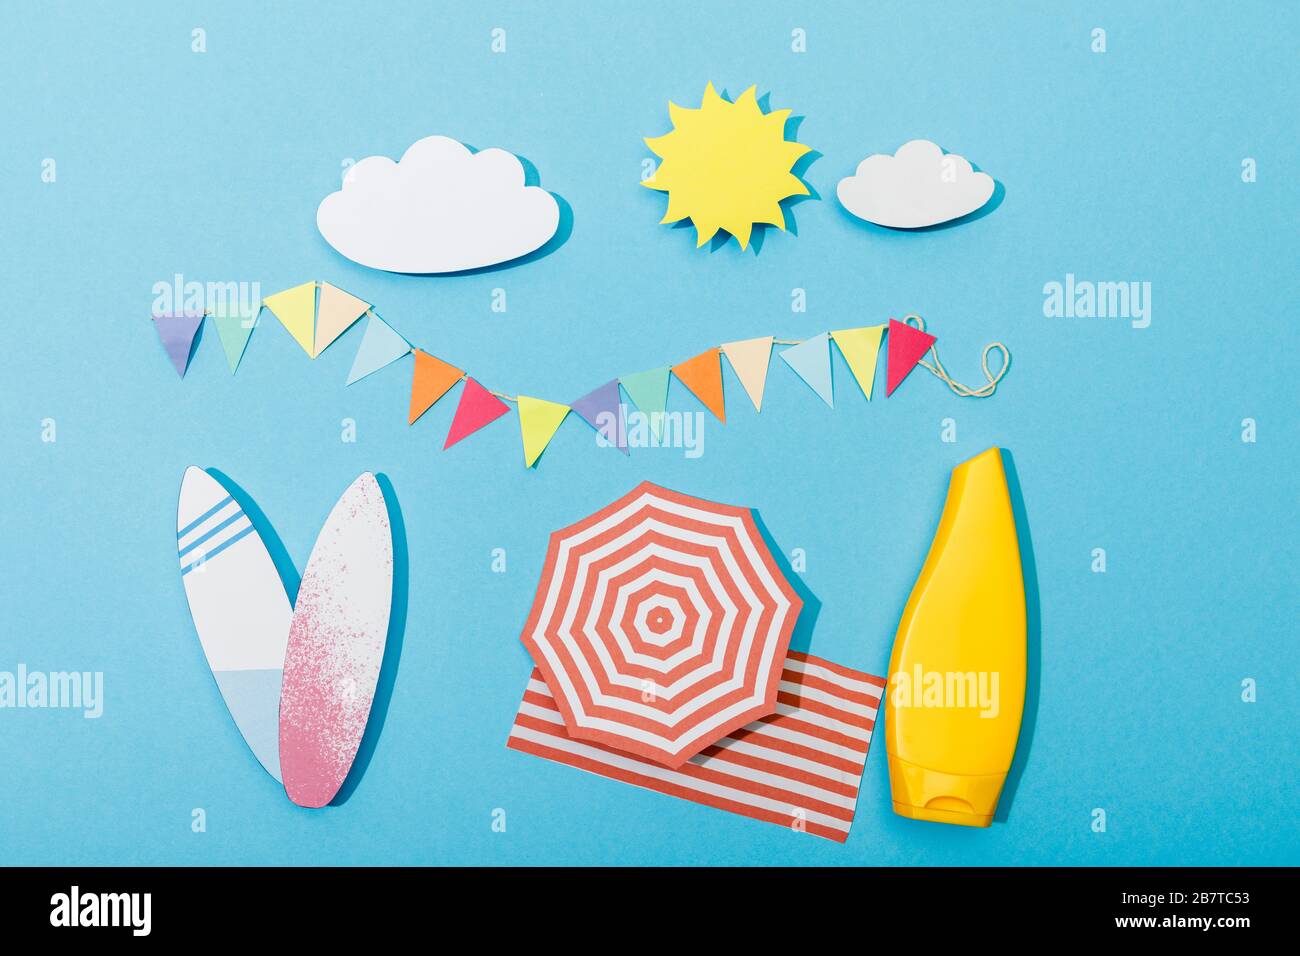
(957, 673)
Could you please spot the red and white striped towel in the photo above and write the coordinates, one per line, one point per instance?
(799, 767)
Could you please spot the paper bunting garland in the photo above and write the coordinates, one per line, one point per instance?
(539, 420)
(478, 407)
(603, 411)
(750, 360)
(432, 379)
(703, 376)
(860, 347)
(906, 346)
(335, 315)
(380, 346)
(811, 361)
(176, 333)
(315, 325)
(296, 310)
(649, 393)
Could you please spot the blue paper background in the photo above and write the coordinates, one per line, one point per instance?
(1117, 166)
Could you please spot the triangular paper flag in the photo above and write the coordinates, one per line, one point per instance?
(296, 310)
(336, 312)
(649, 393)
(432, 379)
(811, 361)
(603, 411)
(177, 335)
(478, 407)
(703, 376)
(234, 327)
(860, 348)
(906, 346)
(749, 359)
(380, 346)
(539, 420)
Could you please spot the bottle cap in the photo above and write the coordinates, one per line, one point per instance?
(924, 794)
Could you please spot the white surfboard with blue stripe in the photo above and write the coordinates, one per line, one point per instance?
(239, 607)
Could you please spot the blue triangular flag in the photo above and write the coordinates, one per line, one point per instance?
(380, 346)
(811, 361)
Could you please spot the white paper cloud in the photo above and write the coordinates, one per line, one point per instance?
(440, 208)
(918, 186)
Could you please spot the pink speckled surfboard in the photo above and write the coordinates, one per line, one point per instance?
(336, 645)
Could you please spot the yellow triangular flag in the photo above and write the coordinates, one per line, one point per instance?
(750, 359)
(296, 310)
(860, 348)
(337, 311)
(539, 420)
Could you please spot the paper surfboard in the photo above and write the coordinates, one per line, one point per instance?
(239, 607)
(336, 645)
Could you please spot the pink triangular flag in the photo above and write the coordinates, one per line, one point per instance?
(906, 346)
(478, 407)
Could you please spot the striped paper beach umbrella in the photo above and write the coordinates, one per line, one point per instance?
(661, 624)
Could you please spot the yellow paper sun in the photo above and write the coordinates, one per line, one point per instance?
(726, 166)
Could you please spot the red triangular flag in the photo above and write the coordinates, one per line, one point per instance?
(478, 407)
(906, 346)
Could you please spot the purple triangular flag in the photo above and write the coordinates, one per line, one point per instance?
(603, 411)
(177, 334)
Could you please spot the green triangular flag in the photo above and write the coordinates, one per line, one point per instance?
(649, 393)
(234, 326)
